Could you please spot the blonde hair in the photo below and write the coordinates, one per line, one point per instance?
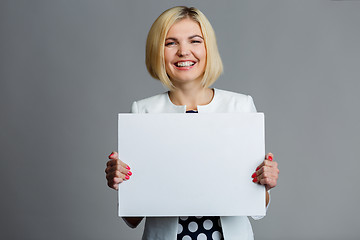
(155, 45)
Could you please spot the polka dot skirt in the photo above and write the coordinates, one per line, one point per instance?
(199, 228)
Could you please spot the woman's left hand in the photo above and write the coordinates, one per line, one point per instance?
(267, 173)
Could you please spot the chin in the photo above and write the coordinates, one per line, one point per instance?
(185, 81)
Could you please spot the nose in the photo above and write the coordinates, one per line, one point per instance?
(183, 50)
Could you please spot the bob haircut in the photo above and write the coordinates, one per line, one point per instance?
(155, 45)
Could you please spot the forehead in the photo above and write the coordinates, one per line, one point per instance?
(185, 27)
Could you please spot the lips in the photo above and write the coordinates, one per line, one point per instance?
(181, 64)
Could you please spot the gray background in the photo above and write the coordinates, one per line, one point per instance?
(68, 67)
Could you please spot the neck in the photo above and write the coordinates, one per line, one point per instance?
(191, 96)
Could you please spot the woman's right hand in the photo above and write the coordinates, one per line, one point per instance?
(116, 171)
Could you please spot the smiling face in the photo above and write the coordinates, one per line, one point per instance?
(185, 52)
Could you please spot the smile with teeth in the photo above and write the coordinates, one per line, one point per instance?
(185, 64)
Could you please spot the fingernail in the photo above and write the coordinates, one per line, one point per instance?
(255, 180)
(254, 175)
(257, 168)
(129, 173)
(127, 177)
(111, 155)
(270, 158)
(127, 167)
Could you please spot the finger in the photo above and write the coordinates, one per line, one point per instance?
(268, 182)
(260, 166)
(114, 155)
(261, 180)
(124, 165)
(264, 181)
(268, 173)
(118, 162)
(115, 183)
(264, 163)
(257, 175)
(117, 174)
(110, 169)
(111, 162)
(269, 156)
(258, 171)
(114, 168)
(115, 178)
(269, 166)
(120, 168)
(114, 160)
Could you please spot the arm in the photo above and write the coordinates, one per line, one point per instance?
(267, 198)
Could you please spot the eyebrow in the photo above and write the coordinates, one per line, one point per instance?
(194, 36)
(191, 37)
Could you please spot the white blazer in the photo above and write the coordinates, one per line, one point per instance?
(165, 228)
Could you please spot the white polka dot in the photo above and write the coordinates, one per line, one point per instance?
(198, 217)
(219, 222)
(201, 236)
(184, 218)
(216, 235)
(208, 224)
(180, 228)
(186, 237)
(193, 226)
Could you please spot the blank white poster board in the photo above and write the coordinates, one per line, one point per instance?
(191, 164)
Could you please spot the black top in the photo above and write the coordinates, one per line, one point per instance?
(191, 111)
(199, 228)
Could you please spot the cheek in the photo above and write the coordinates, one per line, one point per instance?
(166, 56)
(201, 54)
(169, 54)
(202, 58)
(167, 60)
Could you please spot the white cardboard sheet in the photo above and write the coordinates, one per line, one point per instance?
(191, 164)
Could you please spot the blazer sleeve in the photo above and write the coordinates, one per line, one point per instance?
(260, 217)
(251, 104)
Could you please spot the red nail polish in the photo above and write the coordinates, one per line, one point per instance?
(255, 180)
(270, 158)
(257, 168)
(254, 175)
(110, 155)
(127, 177)
(127, 167)
(129, 173)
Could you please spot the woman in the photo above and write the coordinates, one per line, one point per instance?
(181, 52)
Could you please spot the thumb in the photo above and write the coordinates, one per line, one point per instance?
(269, 156)
(114, 155)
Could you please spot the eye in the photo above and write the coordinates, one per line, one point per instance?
(195, 41)
(168, 44)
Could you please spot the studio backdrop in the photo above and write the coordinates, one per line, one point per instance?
(67, 68)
